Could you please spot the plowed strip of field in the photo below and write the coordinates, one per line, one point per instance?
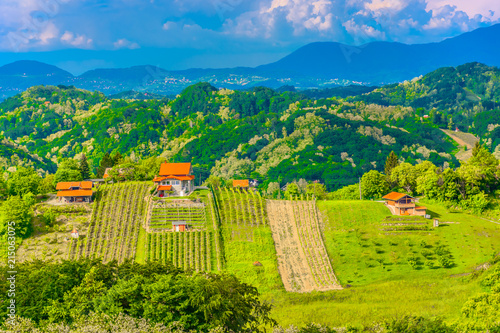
(302, 259)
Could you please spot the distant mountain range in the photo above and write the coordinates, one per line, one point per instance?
(316, 65)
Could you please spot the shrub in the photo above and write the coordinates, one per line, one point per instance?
(414, 324)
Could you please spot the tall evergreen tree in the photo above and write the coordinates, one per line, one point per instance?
(84, 167)
(390, 163)
(106, 162)
(117, 158)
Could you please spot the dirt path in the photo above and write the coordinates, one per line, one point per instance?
(302, 259)
(463, 139)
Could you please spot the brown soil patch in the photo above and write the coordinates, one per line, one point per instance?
(463, 139)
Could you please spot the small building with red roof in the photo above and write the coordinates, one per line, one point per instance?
(74, 191)
(106, 173)
(174, 179)
(241, 183)
(403, 204)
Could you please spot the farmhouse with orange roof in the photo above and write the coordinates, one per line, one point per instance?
(74, 191)
(403, 204)
(174, 179)
(241, 183)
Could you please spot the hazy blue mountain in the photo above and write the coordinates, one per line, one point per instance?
(316, 65)
(20, 75)
(385, 62)
(29, 68)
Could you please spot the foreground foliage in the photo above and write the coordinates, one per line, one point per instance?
(61, 293)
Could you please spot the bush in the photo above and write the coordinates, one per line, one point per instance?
(414, 324)
(49, 218)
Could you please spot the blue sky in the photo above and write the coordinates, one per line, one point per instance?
(225, 33)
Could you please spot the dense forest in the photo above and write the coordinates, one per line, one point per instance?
(260, 133)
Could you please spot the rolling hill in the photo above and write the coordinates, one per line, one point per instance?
(260, 134)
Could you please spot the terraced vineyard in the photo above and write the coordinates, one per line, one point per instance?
(302, 258)
(167, 211)
(199, 248)
(117, 216)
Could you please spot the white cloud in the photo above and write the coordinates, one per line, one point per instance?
(169, 25)
(76, 40)
(362, 32)
(378, 5)
(48, 34)
(471, 7)
(214, 24)
(125, 44)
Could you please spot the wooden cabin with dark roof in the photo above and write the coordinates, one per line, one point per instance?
(174, 179)
(403, 204)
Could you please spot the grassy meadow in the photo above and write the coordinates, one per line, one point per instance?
(374, 263)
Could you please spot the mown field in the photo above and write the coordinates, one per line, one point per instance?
(387, 271)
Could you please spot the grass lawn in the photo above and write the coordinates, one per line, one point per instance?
(241, 252)
(140, 254)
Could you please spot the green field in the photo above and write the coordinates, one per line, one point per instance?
(247, 238)
(375, 263)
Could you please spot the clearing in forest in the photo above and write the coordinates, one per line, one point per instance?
(302, 258)
(463, 139)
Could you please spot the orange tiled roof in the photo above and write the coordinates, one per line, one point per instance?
(106, 174)
(240, 183)
(395, 196)
(175, 169)
(68, 185)
(177, 177)
(159, 179)
(75, 193)
(164, 188)
(420, 208)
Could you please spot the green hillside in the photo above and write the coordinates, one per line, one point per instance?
(386, 268)
(259, 133)
(469, 95)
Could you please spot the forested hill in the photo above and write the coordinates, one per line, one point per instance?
(260, 133)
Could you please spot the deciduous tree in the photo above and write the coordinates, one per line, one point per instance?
(24, 181)
(68, 171)
(374, 184)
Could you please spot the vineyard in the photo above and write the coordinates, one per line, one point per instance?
(199, 248)
(117, 216)
(188, 250)
(167, 211)
(241, 212)
(248, 244)
(302, 258)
